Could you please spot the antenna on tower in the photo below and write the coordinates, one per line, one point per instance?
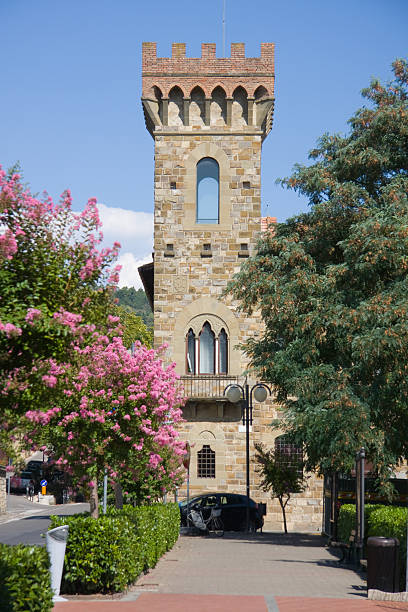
(223, 28)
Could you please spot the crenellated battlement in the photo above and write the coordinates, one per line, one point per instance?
(214, 92)
(208, 50)
(208, 70)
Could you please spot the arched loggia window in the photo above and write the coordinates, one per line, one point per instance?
(208, 190)
(206, 353)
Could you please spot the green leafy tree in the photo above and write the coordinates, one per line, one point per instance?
(134, 329)
(331, 285)
(281, 475)
(136, 301)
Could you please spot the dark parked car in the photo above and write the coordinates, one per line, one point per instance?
(233, 510)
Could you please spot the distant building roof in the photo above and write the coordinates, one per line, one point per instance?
(146, 274)
(266, 222)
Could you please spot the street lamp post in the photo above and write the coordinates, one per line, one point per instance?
(360, 472)
(236, 393)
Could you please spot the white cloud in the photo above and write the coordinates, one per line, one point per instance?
(134, 230)
(129, 275)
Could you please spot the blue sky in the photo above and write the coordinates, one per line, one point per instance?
(71, 85)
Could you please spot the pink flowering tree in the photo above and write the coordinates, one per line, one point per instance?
(113, 412)
(50, 263)
(66, 379)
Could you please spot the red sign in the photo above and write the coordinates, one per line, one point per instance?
(186, 457)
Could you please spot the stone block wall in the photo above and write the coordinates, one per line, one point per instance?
(190, 273)
(3, 492)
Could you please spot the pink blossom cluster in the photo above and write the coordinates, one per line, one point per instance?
(33, 314)
(69, 319)
(8, 245)
(22, 215)
(10, 330)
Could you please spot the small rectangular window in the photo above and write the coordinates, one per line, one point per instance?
(289, 453)
(244, 250)
(169, 251)
(206, 250)
(246, 185)
(206, 462)
(173, 185)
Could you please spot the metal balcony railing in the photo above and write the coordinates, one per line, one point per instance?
(209, 386)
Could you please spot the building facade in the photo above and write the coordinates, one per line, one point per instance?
(208, 117)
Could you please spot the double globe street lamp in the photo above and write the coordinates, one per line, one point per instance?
(236, 393)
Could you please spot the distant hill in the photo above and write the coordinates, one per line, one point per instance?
(137, 302)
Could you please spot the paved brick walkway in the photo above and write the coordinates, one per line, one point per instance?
(238, 573)
(160, 602)
(258, 564)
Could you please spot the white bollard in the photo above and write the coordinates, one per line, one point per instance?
(56, 541)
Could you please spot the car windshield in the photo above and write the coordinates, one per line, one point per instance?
(183, 502)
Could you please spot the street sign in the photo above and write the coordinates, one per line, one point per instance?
(43, 483)
(186, 457)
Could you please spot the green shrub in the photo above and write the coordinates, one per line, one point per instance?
(346, 522)
(380, 520)
(102, 554)
(347, 519)
(391, 522)
(172, 518)
(24, 579)
(158, 527)
(108, 553)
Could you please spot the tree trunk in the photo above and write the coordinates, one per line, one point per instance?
(118, 495)
(283, 506)
(93, 500)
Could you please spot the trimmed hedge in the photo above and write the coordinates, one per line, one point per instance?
(347, 519)
(157, 526)
(380, 520)
(107, 554)
(391, 522)
(25, 579)
(101, 555)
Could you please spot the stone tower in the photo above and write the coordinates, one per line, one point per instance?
(208, 117)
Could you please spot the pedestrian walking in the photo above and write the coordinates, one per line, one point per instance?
(30, 490)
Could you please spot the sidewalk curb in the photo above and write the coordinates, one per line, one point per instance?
(377, 595)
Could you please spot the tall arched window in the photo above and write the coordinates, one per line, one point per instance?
(207, 353)
(208, 182)
(223, 352)
(191, 363)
